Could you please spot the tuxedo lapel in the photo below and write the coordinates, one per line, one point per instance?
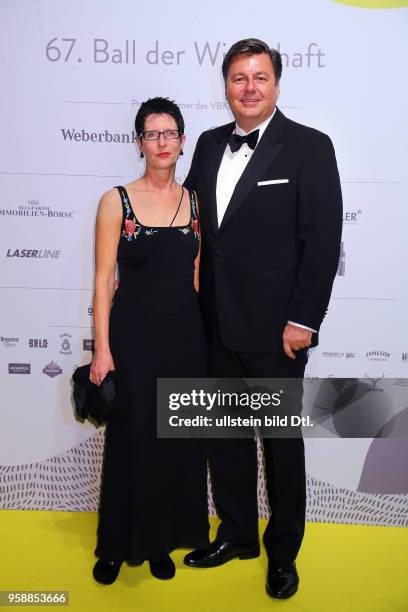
(214, 162)
(262, 158)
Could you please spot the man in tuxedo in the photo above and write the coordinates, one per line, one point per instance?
(271, 216)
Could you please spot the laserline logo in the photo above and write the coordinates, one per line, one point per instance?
(33, 253)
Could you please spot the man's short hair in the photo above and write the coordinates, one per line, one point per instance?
(252, 46)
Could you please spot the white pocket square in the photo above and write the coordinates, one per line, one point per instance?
(273, 182)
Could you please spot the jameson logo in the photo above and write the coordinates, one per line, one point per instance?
(52, 369)
(74, 135)
(19, 368)
(33, 253)
(378, 355)
(33, 208)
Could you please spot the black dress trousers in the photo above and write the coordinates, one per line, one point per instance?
(233, 464)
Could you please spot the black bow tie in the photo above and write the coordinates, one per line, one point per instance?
(236, 141)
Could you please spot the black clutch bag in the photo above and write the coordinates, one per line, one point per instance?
(99, 403)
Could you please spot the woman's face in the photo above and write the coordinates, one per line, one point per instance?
(164, 152)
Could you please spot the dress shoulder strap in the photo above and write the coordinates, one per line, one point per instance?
(123, 197)
(195, 220)
(127, 209)
(194, 205)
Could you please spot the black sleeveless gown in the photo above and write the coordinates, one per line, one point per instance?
(153, 491)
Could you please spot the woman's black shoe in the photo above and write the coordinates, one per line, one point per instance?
(162, 567)
(106, 572)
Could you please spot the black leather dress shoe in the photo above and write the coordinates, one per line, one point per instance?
(162, 567)
(106, 572)
(220, 552)
(283, 580)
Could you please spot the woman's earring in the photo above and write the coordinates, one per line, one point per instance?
(181, 152)
(141, 155)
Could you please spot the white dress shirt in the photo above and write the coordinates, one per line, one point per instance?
(231, 168)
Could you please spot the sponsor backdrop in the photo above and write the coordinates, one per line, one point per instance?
(73, 76)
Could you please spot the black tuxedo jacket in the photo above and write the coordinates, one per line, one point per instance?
(275, 255)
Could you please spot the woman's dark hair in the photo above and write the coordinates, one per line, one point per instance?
(252, 46)
(160, 106)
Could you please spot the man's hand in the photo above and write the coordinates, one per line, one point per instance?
(295, 338)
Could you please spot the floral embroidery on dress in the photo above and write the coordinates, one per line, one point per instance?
(195, 225)
(132, 228)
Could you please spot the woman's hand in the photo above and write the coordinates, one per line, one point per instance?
(102, 363)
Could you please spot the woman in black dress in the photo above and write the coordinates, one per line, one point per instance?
(153, 493)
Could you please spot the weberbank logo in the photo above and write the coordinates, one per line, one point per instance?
(33, 208)
(81, 135)
(33, 253)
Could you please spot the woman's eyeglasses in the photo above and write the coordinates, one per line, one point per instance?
(155, 134)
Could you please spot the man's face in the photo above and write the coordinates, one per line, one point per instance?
(251, 89)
